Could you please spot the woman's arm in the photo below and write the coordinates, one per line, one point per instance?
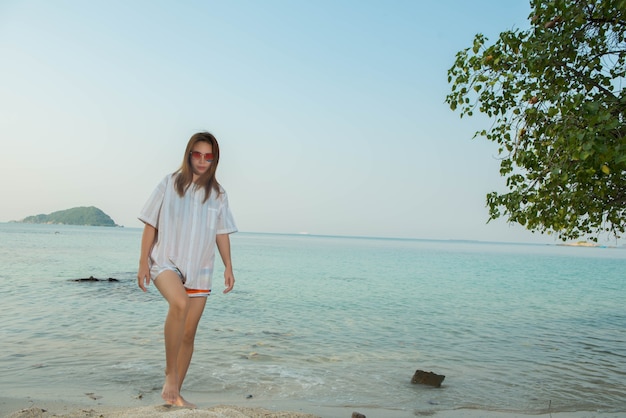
(223, 246)
(147, 241)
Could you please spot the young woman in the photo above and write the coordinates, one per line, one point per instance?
(186, 218)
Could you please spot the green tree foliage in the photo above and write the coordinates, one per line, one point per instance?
(76, 216)
(556, 95)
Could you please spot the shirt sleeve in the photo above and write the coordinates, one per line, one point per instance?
(152, 208)
(225, 220)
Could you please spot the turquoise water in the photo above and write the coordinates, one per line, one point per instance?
(327, 320)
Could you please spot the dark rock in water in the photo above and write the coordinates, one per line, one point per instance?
(93, 279)
(88, 279)
(357, 415)
(427, 378)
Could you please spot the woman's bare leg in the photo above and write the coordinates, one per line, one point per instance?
(171, 287)
(196, 307)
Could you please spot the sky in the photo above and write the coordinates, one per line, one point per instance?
(330, 114)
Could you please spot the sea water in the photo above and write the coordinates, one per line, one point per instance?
(334, 321)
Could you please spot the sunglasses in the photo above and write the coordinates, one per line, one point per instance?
(208, 157)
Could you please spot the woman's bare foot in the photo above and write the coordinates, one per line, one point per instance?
(171, 396)
(170, 393)
(186, 403)
(180, 401)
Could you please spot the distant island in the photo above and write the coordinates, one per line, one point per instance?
(91, 216)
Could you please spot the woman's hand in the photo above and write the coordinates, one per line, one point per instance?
(229, 280)
(147, 241)
(223, 246)
(143, 276)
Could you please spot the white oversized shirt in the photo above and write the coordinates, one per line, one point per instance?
(186, 231)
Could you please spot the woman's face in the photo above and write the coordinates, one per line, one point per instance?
(201, 157)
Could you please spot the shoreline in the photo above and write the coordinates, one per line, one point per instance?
(33, 408)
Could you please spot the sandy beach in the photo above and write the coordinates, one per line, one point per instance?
(230, 411)
(30, 408)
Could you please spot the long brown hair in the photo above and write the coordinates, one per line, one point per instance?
(206, 180)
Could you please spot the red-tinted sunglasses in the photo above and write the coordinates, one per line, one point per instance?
(208, 157)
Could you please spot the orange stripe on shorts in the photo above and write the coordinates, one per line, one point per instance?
(198, 292)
